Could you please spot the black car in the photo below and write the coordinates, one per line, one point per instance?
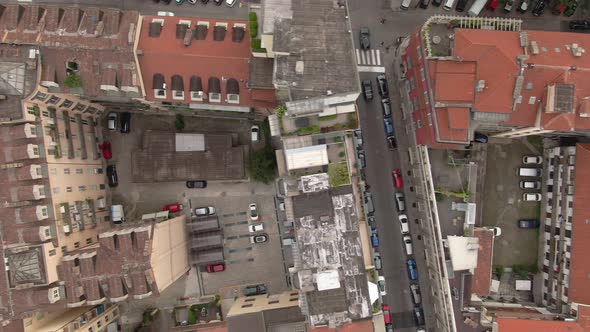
(364, 38)
(424, 4)
(392, 142)
(372, 222)
(480, 138)
(367, 90)
(125, 122)
(570, 9)
(419, 316)
(196, 184)
(218, 2)
(362, 159)
(112, 176)
(580, 25)
(437, 2)
(167, 1)
(528, 223)
(382, 86)
(540, 7)
(461, 4)
(386, 105)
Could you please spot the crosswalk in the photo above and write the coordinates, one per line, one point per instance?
(369, 60)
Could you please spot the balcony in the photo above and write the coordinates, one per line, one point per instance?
(68, 131)
(64, 209)
(54, 132)
(82, 136)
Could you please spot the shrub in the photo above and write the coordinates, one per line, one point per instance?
(253, 29)
(341, 154)
(73, 81)
(313, 129)
(252, 16)
(338, 174)
(262, 165)
(328, 117)
(179, 123)
(256, 45)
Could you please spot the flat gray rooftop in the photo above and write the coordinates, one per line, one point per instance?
(321, 51)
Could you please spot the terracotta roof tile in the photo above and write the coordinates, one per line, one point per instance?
(483, 273)
(455, 82)
(445, 132)
(527, 325)
(458, 117)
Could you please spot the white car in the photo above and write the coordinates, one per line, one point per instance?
(165, 14)
(381, 285)
(256, 228)
(253, 212)
(403, 220)
(113, 120)
(530, 185)
(497, 230)
(255, 132)
(400, 202)
(535, 197)
(204, 211)
(532, 160)
(408, 245)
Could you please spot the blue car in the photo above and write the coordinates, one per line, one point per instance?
(412, 270)
(374, 238)
(388, 127)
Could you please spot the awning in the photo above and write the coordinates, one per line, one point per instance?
(214, 85)
(196, 84)
(308, 156)
(158, 81)
(233, 87)
(177, 83)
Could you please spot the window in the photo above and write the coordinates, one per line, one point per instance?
(81, 188)
(53, 171)
(426, 101)
(76, 245)
(247, 305)
(53, 99)
(55, 293)
(36, 151)
(31, 111)
(107, 218)
(69, 189)
(79, 171)
(88, 241)
(106, 318)
(64, 249)
(273, 302)
(430, 119)
(98, 324)
(90, 329)
(40, 96)
(52, 252)
(55, 190)
(67, 103)
(93, 187)
(102, 186)
(44, 211)
(85, 122)
(45, 114)
(66, 171)
(422, 74)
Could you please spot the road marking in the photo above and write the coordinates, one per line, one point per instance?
(371, 69)
(378, 57)
(358, 55)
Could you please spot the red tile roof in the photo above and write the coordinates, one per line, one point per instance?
(206, 58)
(526, 325)
(446, 132)
(483, 272)
(579, 287)
(454, 82)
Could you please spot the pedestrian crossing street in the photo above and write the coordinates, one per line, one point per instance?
(369, 61)
(368, 57)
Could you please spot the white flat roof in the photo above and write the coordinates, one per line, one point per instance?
(308, 156)
(463, 252)
(328, 280)
(190, 142)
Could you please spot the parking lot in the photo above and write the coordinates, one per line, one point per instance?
(246, 263)
(503, 204)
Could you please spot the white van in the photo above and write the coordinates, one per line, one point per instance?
(449, 5)
(476, 7)
(117, 214)
(405, 4)
(408, 245)
(526, 171)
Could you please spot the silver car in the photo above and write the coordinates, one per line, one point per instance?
(204, 211)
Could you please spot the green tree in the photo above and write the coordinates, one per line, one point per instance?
(179, 123)
(73, 81)
(262, 165)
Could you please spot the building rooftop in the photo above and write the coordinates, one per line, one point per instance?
(520, 325)
(18, 78)
(365, 325)
(579, 287)
(483, 272)
(463, 251)
(329, 245)
(312, 70)
(197, 60)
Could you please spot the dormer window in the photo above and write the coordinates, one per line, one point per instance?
(177, 87)
(214, 90)
(159, 86)
(233, 91)
(219, 31)
(196, 88)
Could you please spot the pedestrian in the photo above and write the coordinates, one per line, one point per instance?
(382, 21)
(387, 49)
(382, 43)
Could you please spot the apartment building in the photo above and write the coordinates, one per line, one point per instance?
(102, 317)
(465, 76)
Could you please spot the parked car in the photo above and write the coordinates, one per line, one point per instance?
(412, 271)
(386, 313)
(461, 4)
(204, 211)
(540, 8)
(419, 316)
(508, 6)
(362, 159)
(372, 222)
(570, 8)
(259, 238)
(523, 6)
(212, 268)
(192, 2)
(255, 133)
(107, 153)
(389, 328)
(365, 38)
(203, 1)
(231, 3)
(381, 285)
(392, 142)
(532, 160)
(382, 86)
(478, 137)
(497, 231)
(166, 13)
(256, 228)
(534, 197)
(112, 121)
(529, 172)
(374, 238)
(403, 220)
(579, 25)
(174, 207)
(400, 202)
(530, 185)
(492, 5)
(528, 223)
(424, 4)
(437, 2)
(259, 289)
(386, 106)
(196, 184)
(179, 2)
(388, 125)
(378, 261)
(367, 90)
(254, 216)
(398, 182)
(407, 240)
(416, 296)
(359, 138)
(125, 122)
(112, 176)
(218, 2)
(369, 207)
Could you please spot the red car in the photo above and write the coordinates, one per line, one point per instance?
(398, 182)
(386, 313)
(492, 5)
(211, 268)
(175, 207)
(107, 153)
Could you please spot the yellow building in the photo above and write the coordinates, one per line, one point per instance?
(84, 319)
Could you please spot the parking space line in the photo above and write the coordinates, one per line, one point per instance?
(228, 215)
(358, 56)
(239, 249)
(231, 237)
(241, 213)
(242, 222)
(378, 57)
(237, 261)
(229, 224)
